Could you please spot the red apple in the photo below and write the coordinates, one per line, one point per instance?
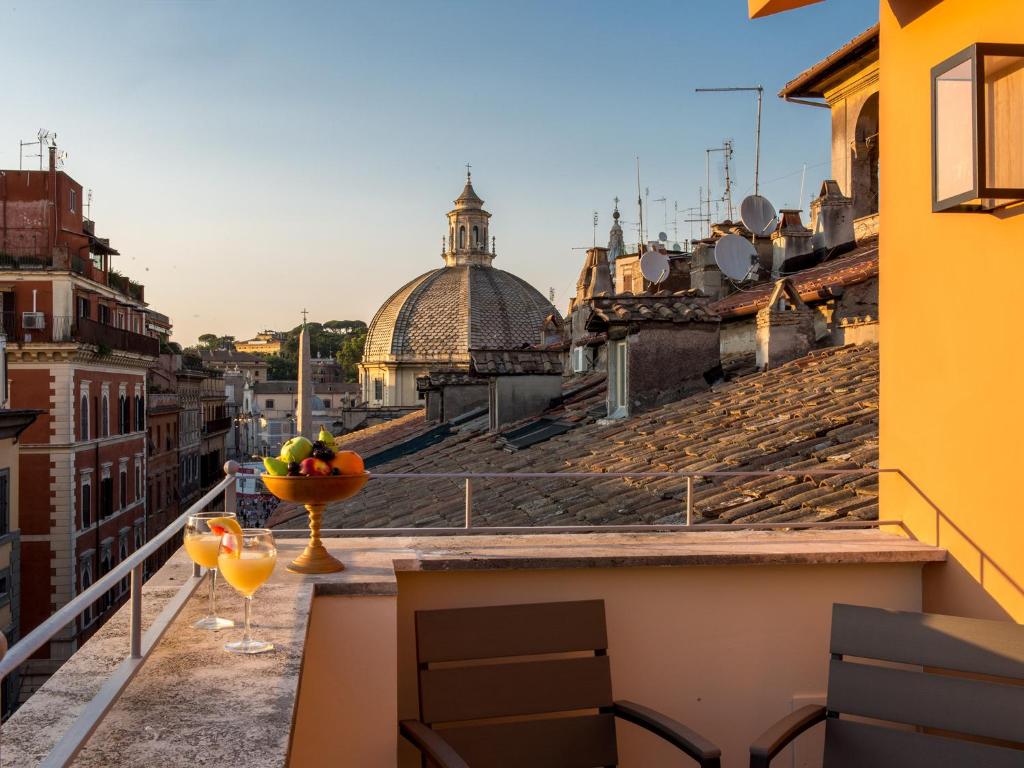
(314, 467)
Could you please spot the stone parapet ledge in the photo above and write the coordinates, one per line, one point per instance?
(192, 703)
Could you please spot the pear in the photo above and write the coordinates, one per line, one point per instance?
(275, 466)
(326, 437)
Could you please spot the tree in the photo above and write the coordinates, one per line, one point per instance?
(351, 353)
(213, 342)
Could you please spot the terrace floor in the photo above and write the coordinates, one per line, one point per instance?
(193, 704)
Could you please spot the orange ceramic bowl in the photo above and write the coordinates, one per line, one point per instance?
(315, 490)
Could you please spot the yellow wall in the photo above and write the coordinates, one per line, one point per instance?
(952, 394)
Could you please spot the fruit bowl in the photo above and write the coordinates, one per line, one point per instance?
(315, 493)
(314, 490)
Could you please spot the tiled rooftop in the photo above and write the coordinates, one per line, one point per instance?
(817, 412)
(855, 267)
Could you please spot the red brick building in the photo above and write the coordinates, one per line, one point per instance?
(80, 343)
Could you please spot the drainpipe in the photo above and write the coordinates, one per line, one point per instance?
(53, 198)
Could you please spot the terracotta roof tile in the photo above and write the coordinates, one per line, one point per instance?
(830, 396)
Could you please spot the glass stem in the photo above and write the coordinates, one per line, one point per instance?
(247, 635)
(213, 593)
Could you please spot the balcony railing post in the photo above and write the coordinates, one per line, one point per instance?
(135, 617)
(469, 503)
(231, 492)
(689, 499)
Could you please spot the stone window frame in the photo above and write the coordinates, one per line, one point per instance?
(85, 580)
(104, 410)
(122, 483)
(83, 416)
(85, 492)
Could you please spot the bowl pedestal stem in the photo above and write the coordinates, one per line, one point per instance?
(315, 558)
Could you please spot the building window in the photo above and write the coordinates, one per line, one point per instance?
(138, 481)
(123, 489)
(269, 404)
(83, 307)
(5, 502)
(378, 389)
(140, 414)
(122, 556)
(618, 379)
(122, 410)
(104, 311)
(327, 403)
(462, 237)
(476, 237)
(978, 129)
(106, 497)
(138, 537)
(72, 199)
(86, 505)
(105, 417)
(86, 582)
(83, 416)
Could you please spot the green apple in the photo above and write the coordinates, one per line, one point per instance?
(297, 449)
(275, 466)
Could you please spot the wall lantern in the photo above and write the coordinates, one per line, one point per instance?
(978, 129)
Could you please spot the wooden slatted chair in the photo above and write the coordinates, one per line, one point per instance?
(932, 718)
(483, 705)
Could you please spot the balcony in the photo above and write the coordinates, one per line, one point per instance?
(62, 259)
(62, 328)
(676, 596)
(213, 426)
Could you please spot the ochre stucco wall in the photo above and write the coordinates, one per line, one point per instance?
(951, 395)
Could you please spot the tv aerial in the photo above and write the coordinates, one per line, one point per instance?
(654, 266)
(758, 215)
(735, 256)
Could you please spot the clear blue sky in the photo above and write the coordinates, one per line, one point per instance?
(252, 159)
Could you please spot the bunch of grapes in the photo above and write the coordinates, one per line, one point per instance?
(322, 451)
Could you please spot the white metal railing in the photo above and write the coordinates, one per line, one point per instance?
(139, 644)
(470, 527)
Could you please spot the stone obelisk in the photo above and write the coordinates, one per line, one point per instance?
(304, 408)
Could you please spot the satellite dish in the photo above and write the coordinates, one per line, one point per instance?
(758, 215)
(735, 256)
(676, 247)
(654, 266)
(662, 237)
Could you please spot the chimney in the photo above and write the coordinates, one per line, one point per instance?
(522, 383)
(660, 347)
(785, 328)
(791, 241)
(705, 275)
(832, 218)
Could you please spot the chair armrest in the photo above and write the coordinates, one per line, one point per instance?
(430, 743)
(772, 741)
(692, 743)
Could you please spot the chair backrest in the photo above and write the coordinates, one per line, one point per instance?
(527, 662)
(962, 703)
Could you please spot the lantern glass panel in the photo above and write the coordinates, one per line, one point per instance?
(954, 132)
(1004, 121)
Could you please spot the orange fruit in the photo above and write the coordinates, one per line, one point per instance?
(348, 463)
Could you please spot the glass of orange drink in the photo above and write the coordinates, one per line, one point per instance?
(202, 541)
(246, 559)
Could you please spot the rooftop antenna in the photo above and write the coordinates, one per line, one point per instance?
(639, 202)
(727, 152)
(595, 229)
(43, 138)
(759, 89)
(88, 204)
(551, 295)
(707, 171)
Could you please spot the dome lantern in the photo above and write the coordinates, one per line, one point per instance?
(467, 229)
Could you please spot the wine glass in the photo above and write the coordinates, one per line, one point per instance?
(246, 561)
(202, 544)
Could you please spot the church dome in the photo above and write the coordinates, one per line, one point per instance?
(444, 313)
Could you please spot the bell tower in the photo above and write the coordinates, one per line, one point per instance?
(468, 226)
